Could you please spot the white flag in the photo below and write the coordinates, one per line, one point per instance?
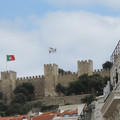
(52, 50)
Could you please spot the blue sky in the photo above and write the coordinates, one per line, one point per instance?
(80, 30)
(11, 9)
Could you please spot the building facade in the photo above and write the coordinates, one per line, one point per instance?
(108, 107)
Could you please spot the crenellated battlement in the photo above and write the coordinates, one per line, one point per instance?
(45, 84)
(7, 72)
(31, 77)
(50, 65)
(102, 72)
(84, 61)
(97, 71)
(67, 73)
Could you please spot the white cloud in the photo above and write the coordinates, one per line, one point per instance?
(76, 35)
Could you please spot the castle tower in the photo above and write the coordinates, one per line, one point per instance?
(85, 67)
(8, 84)
(51, 79)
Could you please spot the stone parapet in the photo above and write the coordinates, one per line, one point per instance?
(63, 100)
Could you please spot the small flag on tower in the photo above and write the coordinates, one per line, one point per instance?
(10, 58)
(52, 50)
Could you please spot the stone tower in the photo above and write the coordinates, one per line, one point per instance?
(8, 84)
(85, 67)
(51, 79)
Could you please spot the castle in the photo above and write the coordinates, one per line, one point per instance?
(45, 84)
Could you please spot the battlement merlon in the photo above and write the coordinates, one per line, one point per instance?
(67, 73)
(31, 77)
(8, 75)
(85, 62)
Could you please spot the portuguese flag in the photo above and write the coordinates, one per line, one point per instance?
(10, 58)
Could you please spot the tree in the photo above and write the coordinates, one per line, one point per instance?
(1, 95)
(27, 89)
(3, 109)
(19, 98)
(88, 99)
(93, 84)
(21, 89)
(61, 71)
(13, 109)
(107, 65)
(59, 89)
(96, 83)
(30, 88)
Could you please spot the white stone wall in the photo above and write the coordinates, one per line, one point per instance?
(98, 105)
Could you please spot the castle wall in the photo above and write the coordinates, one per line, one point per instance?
(37, 82)
(65, 79)
(45, 85)
(85, 67)
(51, 79)
(63, 100)
(8, 84)
(102, 72)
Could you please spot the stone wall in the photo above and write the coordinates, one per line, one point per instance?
(102, 72)
(51, 79)
(63, 100)
(38, 83)
(8, 84)
(65, 79)
(85, 67)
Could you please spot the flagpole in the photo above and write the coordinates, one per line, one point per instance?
(6, 62)
(49, 57)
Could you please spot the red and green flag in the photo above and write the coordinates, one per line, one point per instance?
(10, 58)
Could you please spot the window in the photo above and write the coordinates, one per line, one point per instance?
(66, 115)
(74, 114)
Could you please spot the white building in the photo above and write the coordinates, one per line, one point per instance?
(107, 107)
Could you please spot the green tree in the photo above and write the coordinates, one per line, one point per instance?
(61, 71)
(1, 95)
(19, 98)
(85, 84)
(13, 109)
(30, 88)
(88, 99)
(107, 65)
(96, 84)
(3, 109)
(27, 89)
(21, 89)
(60, 89)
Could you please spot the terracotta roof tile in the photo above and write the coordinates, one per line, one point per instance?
(14, 117)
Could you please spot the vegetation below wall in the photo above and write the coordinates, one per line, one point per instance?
(23, 93)
(19, 109)
(22, 102)
(85, 84)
